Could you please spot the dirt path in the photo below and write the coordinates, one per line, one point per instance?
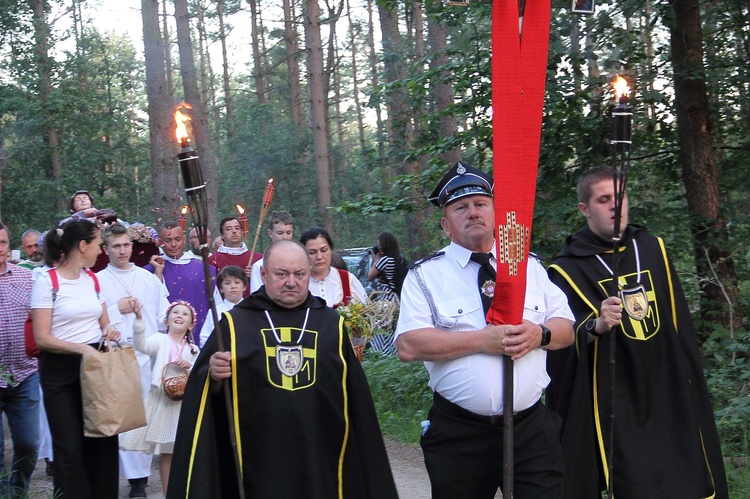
(407, 465)
(406, 462)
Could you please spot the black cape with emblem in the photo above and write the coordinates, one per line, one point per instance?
(666, 443)
(313, 434)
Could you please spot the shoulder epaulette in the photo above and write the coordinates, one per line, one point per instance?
(428, 257)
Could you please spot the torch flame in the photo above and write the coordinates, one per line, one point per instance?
(240, 209)
(621, 87)
(181, 119)
(184, 210)
(270, 181)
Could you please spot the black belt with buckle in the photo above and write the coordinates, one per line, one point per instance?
(448, 407)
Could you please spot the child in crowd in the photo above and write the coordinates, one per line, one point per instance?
(162, 412)
(231, 282)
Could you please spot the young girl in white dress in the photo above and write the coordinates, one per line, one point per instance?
(162, 412)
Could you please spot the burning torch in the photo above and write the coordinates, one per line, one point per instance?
(243, 221)
(622, 119)
(195, 189)
(265, 206)
(183, 217)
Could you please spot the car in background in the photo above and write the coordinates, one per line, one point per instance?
(358, 262)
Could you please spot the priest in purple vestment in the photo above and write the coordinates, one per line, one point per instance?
(182, 273)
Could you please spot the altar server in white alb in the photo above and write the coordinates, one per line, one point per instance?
(126, 287)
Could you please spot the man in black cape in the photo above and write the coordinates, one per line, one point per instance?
(665, 439)
(306, 424)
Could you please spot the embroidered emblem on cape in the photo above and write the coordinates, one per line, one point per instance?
(290, 363)
(488, 288)
(289, 359)
(642, 321)
(461, 169)
(635, 302)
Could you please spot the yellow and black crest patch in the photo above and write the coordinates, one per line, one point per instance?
(632, 326)
(291, 364)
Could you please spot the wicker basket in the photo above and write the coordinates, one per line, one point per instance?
(173, 380)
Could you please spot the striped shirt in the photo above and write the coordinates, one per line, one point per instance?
(387, 267)
(15, 297)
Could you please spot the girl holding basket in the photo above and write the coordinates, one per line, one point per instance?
(172, 356)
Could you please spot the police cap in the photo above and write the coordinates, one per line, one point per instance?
(461, 181)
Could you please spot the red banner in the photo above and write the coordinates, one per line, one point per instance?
(519, 66)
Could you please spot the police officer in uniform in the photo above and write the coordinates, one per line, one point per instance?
(442, 322)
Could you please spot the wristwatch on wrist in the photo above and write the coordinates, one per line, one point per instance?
(546, 335)
(590, 327)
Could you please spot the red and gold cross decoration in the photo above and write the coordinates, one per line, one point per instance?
(519, 66)
(512, 243)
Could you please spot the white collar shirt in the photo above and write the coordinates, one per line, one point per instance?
(330, 288)
(475, 381)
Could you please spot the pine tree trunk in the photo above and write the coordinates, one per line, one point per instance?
(204, 62)
(225, 66)
(355, 83)
(318, 105)
(292, 61)
(442, 89)
(41, 35)
(165, 45)
(164, 171)
(329, 71)
(260, 86)
(402, 118)
(398, 127)
(201, 132)
(374, 82)
(714, 263)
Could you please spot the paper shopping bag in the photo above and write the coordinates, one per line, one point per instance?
(111, 393)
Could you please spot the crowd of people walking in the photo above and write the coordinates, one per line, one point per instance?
(274, 384)
(160, 306)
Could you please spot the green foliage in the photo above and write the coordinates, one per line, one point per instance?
(401, 395)
(95, 107)
(728, 379)
(729, 383)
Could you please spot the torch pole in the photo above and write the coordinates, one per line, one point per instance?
(195, 189)
(263, 213)
(621, 142)
(508, 427)
(265, 206)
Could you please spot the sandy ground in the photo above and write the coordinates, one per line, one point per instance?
(406, 462)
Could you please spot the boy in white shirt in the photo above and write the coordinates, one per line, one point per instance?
(231, 282)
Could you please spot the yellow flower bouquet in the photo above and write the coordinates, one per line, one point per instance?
(365, 320)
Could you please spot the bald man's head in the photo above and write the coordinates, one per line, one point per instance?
(286, 273)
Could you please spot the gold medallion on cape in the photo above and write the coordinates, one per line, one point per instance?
(635, 302)
(289, 359)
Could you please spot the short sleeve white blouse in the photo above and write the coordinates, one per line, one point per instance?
(76, 309)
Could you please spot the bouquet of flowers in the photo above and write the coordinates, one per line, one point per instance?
(363, 321)
(141, 233)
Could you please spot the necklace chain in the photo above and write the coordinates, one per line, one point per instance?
(132, 282)
(276, 335)
(637, 262)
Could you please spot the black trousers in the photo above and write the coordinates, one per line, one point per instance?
(85, 467)
(464, 454)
